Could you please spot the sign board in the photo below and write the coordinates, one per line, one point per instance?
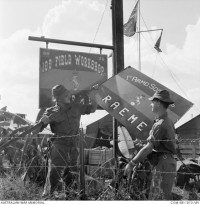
(126, 97)
(77, 71)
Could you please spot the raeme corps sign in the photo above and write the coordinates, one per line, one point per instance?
(77, 71)
(126, 97)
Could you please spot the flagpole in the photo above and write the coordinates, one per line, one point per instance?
(130, 29)
(118, 62)
(139, 64)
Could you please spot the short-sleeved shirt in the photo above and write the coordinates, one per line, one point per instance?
(68, 120)
(162, 135)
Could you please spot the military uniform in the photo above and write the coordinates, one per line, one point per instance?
(162, 136)
(63, 153)
(161, 140)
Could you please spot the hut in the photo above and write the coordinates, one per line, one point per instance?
(188, 137)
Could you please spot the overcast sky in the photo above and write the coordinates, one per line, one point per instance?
(177, 67)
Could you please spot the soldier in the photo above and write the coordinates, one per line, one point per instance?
(162, 140)
(63, 154)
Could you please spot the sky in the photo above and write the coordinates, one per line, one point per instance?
(177, 67)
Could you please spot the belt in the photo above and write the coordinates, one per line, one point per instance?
(66, 140)
(164, 155)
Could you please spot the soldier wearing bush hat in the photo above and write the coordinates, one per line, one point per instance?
(161, 142)
(163, 96)
(59, 90)
(63, 152)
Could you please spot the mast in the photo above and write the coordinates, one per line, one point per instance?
(139, 46)
(118, 62)
(139, 37)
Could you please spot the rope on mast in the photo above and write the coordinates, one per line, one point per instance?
(99, 24)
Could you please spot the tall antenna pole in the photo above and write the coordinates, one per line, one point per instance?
(139, 48)
(118, 60)
(118, 44)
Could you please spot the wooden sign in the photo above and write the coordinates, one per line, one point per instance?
(126, 97)
(77, 71)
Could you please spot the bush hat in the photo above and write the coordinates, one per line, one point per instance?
(163, 96)
(59, 90)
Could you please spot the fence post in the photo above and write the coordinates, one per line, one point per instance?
(82, 170)
(193, 151)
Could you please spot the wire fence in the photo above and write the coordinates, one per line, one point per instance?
(103, 169)
(100, 165)
(36, 136)
(97, 167)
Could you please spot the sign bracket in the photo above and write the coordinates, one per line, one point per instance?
(74, 43)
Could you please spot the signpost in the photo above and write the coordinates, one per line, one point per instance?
(126, 97)
(77, 71)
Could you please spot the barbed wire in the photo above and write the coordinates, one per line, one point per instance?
(38, 166)
(100, 168)
(145, 140)
(37, 136)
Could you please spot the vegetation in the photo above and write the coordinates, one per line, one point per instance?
(23, 172)
(13, 188)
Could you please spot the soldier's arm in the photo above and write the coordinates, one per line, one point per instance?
(44, 119)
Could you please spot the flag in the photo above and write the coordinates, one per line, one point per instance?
(157, 45)
(130, 26)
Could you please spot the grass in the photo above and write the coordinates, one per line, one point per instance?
(13, 188)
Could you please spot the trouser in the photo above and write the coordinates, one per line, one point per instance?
(163, 178)
(62, 161)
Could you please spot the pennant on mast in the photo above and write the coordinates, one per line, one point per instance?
(157, 45)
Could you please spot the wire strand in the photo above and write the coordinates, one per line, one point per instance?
(99, 24)
(180, 86)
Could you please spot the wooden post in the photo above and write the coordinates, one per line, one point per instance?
(82, 170)
(118, 62)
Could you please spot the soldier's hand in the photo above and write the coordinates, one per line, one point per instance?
(95, 87)
(45, 120)
(128, 169)
(36, 131)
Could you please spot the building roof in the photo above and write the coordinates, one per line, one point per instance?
(190, 127)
